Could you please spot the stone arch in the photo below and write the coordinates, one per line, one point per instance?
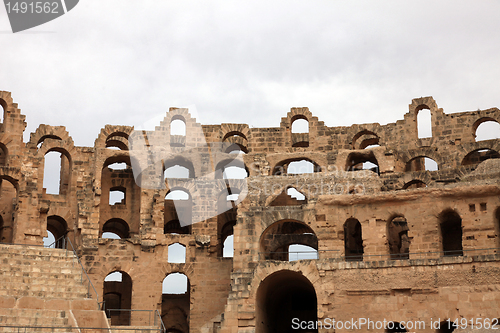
(178, 320)
(414, 184)
(397, 237)
(479, 155)
(353, 240)
(181, 161)
(276, 238)
(365, 138)
(355, 161)
(281, 167)
(419, 104)
(178, 210)
(423, 152)
(44, 132)
(59, 228)
(228, 163)
(8, 208)
(118, 295)
(282, 296)
(117, 226)
(450, 226)
(480, 121)
(110, 133)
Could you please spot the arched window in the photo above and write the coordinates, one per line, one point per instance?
(8, 203)
(178, 206)
(175, 283)
(289, 197)
(301, 252)
(117, 141)
(118, 166)
(56, 173)
(228, 248)
(234, 169)
(175, 304)
(353, 240)
(397, 237)
(177, 171)
(178, 127)
(300, 125)
(421, 163)
(176, 253)
(117, 295)
(424, 122)
(477, 156)
(3, 155)
(451, 233)
(276, 240)
(296, 166)
(362, 161)
(118, 227)
(58, 227)
(487, 130)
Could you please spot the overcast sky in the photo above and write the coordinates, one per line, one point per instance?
(124, 62)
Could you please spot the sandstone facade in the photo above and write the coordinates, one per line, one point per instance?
(396, 242)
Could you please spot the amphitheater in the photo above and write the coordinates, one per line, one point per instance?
(325, 229)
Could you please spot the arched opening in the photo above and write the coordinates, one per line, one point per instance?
(117, 141)
(353, 240)
(424, 122)
(228, 247)
(451, 233)
(175, 302)
(178, 168)
(117, 195)
(365, 139)
(486, 129)
(58, 227)
(177, 171)
(8, 202)
(296, 166)
(231, 169)
(289, 197)
(479, 155)
(3, 155)
(300, 125)
(117, 297)
(421, 163)
(118, 227)
(49, 241)
(362, 161)
(236, 149)
(397, 238)
(178, 127)
(395, 327)
(174, 228)
(276, 239)
(286, 299)
(177, 253)
(3, 106)
(301, 252)
(178, 206)
(414, 184)
(56, 172)
(43, 138)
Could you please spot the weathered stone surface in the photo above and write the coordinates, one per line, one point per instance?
(379, 234)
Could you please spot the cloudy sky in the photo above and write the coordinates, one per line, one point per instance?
(125, 62)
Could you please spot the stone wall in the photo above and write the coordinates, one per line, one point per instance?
(394, 241)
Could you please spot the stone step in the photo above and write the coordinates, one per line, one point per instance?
(34, 317)
(10, 250)
(58, 288)
(35, 267)
(41, 294)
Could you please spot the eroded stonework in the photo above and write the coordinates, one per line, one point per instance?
(391, 241)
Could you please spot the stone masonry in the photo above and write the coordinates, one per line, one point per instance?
(392, 241)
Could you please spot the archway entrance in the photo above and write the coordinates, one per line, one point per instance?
(283, 296)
